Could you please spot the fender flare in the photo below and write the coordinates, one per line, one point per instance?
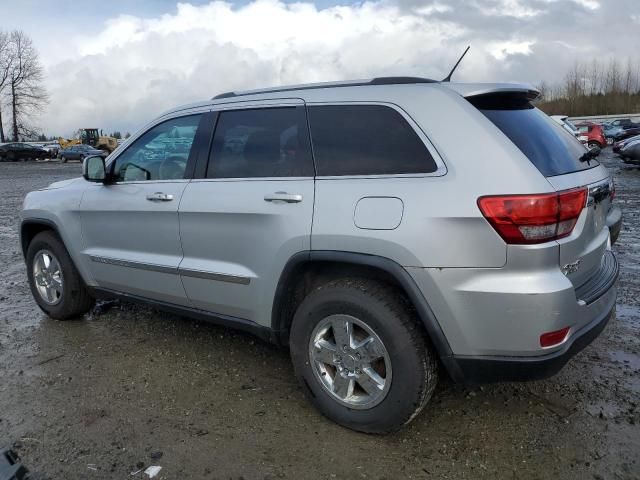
(420, 303)
(37, 221)
(53, 226)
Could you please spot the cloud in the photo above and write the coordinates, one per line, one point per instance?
(131, 67)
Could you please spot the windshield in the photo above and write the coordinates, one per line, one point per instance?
(552, 149)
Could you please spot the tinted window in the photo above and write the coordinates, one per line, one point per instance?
(365, 140)
(552, 149)
(269, 142)
(160, 154)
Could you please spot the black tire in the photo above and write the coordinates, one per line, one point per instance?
(594, 144)
(63, 159)
(75, 300)
(382, 308)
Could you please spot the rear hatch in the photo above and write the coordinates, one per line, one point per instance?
(564, 161)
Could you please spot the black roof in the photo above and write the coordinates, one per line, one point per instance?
(356, 83)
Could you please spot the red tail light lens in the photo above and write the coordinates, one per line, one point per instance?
(538, 218)
(550, 339)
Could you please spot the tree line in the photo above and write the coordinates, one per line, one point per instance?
(594, 88)
(21, 92)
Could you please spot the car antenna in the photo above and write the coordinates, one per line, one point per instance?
(448, 77)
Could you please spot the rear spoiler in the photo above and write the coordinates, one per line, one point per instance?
(468, 90)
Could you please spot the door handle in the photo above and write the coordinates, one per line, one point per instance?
(283, 197)
(159, 197)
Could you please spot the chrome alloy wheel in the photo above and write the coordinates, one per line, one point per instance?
(350, 361)
(47, 276)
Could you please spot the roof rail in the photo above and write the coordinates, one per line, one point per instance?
(311, 86)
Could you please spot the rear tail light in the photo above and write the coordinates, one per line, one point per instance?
(537, 218)
(550, 339)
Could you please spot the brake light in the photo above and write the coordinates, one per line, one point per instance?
(537, 218)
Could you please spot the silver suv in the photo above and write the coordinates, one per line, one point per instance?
(381, 229)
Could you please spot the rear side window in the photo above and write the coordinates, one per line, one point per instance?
(268, 142)
(552, 149)
(366, 140)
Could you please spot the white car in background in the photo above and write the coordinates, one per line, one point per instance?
(567, 125)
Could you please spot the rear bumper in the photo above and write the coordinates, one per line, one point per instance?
(486, 369)
(518, 369)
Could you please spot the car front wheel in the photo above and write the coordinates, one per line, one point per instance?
(361, 356)
(63, 159)
(55, 283)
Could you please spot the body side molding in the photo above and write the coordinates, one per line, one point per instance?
(186, 272)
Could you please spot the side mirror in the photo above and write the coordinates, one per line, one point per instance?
(93, 169)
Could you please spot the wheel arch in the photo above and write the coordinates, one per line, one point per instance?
(305, 270)
(29, 228)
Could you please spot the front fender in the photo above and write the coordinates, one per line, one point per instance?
(58, 210)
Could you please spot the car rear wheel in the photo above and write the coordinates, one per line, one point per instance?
(55, 283)
(593, 144)
(361, 356)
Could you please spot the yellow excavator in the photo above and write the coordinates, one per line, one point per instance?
(91, 136)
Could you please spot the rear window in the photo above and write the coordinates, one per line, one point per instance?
(552, 149)
(268, 142)
(366, 140)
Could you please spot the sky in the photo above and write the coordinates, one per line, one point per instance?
(118, 64)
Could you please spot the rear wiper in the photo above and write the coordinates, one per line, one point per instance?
(588, 156)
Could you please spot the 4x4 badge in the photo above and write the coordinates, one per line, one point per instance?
(571, 267)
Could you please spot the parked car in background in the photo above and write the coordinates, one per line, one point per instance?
(591, 134)
(79, 152)
(52, 148)
(626, 133)
(563, 121)
(630, 151)
(21, 151)
(618, 146)
(625, 122)
(609, 131)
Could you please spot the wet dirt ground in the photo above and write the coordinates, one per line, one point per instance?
(127, 387)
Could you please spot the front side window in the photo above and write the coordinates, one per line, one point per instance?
(267, 142)
(366, 140)
(159, 154)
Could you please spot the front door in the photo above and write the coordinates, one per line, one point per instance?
(130, 226)
(251, 211)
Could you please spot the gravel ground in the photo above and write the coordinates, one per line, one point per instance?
(127, 387)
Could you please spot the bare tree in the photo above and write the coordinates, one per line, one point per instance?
(5, 67)
(25, 84)
(595, 88)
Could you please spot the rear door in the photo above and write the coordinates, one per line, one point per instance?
(250, 210)
(130, 227)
